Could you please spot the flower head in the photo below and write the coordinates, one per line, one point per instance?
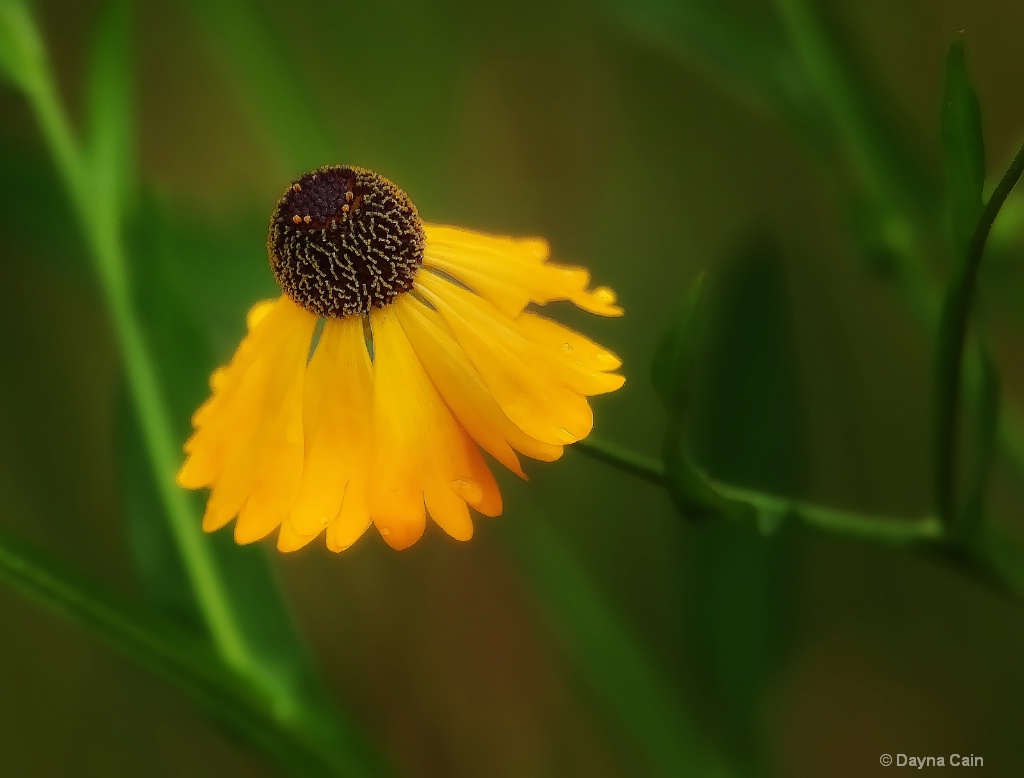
(427, 354)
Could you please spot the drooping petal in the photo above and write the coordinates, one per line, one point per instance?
(460, 384)
(451, 473)
(533, 399)
(336, 409)
(289, 539)
(248, 447)
(399, 452)
(576, 361)
(510, 273)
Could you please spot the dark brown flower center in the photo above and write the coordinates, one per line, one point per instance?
(344, 240)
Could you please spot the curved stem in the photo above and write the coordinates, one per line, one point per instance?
(108, 258)
(996, 562)
(883, 530)
(953, 338)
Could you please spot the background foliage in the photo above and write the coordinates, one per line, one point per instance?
(824, 165)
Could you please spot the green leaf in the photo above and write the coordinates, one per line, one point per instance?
(272, 83)
(21, 51)
(672, 374)
(617, 670)
(150, 541)
(173, 654)
(860, 112)
(746, 417)
(747, 427)
(741, 627)
(963, 147)
(676, 355)
(110, 128)
(749, 57)
(771, 519)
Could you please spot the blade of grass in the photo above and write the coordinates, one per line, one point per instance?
(676, 355)
(748, 425)
(110, 122)
(898, 191)
(20, 48)
(746, 56)
(231, 629)
(172, 653)
(614, 667)
(271, 83)
(964, 150)
(876, 146)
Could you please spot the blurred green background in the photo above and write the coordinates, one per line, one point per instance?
(649, 142)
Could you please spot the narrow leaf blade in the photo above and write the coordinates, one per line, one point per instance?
(676, 356)
(110, 128)
(21, 51)
(168, 651)
(963, 148)
(614, 666)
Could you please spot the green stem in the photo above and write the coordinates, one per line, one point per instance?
(161, 444)
(994, 560)
(882, 530)
(644, 467)
(890, 531)
(953, 339)
(165, 649)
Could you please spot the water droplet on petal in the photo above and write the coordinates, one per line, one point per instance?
(385, 530)
(567, 348)
(604, 295)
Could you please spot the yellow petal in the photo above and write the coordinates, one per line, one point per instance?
(230, 446)
(249, 447)
(462, 388)
(288, 539)
(509, 272)
(451, 472)
(337, 413)
(479, 490)
(238, 391)
(396, 482)
(569, 356)
(532, 398)
(354, 518)
(279, 471)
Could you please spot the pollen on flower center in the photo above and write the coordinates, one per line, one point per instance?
(344, 240)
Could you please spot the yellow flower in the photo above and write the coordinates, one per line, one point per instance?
(427, 354)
